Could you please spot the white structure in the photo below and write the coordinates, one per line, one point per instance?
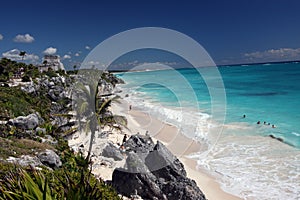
(53, 62)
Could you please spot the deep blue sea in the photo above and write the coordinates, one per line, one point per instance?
(246, 159)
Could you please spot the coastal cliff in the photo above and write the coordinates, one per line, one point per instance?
(41, 133)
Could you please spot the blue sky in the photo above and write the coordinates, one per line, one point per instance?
(232, 31)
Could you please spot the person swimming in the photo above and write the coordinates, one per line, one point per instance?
(258, 122)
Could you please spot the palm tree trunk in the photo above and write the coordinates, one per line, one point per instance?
(90, 146)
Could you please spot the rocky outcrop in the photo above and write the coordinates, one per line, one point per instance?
(153, 172)
(136, 179)
(50, 159)
(26, 122)
(25, 160)
(111, 151)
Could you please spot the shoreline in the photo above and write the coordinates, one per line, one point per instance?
(178, 144)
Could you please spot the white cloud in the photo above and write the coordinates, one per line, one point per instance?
(50, 51)
(1, 37)
(66, 57)
(24, 38)
(77, 54)
(282, 54)
(87, 47)
(14, 55)
(93, 62)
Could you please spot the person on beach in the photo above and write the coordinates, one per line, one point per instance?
(130, 107)
(124, 139)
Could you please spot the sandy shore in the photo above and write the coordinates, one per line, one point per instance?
(142, 123)
(178, 144)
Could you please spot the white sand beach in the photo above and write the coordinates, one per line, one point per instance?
(177, 143)
(143, 123)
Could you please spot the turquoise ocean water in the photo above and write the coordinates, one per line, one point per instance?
(246, 160)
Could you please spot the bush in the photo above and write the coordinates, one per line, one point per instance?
(74, 182)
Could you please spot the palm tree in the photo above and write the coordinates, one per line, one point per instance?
(92, 107)
(22, 54)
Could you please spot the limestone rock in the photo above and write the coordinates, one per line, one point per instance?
(50, 158)
(111, 151)
(153, 172)
(128, 182)
(25, 160)
(27, 122)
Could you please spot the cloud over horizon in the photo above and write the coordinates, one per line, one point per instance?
(27, 38)
(1, 36)
(282, 54)
(50, 51)
(14, 55)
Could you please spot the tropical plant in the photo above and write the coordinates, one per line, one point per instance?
(81, 184)
(92, 107)
(74, 181)
(21, 185)
(22, 54)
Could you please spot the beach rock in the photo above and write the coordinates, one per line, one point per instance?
(162, 162)
(129, 183)
(139, 144)
(27, 122)
(50, 159)
(158, 175)
(111, 151)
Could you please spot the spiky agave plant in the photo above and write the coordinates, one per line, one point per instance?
(19, 184)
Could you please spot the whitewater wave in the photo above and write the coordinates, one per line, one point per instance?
(247, 165)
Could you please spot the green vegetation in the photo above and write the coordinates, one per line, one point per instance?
(92, 107)
(10, 69)
(17, 147)
(67, 183)
(74, 179)
(14, 102)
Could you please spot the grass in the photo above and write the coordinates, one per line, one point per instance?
(17, 147)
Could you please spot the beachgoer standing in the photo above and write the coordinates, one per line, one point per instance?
(124, 139)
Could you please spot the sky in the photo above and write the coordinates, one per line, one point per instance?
(231, 31)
